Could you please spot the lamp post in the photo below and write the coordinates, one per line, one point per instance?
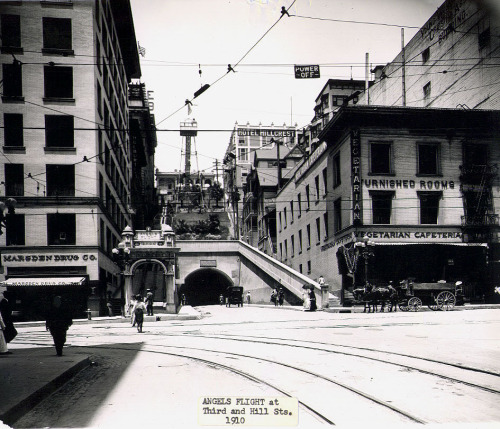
(365, 250)
(6, 219)
(121, 255)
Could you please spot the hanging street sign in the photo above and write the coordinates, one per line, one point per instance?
(306, 71)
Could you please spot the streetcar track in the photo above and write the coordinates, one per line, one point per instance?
(227, 368)
(423, 371)
(256, 379)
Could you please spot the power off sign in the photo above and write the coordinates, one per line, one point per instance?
(306, 72)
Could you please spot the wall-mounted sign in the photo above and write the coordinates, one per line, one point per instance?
(208, 263)
(265, 132)
(48, 258)
(306, 71)
(356, 177)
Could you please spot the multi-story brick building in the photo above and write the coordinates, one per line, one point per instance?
(67, 153)
(419, 187)
(450, 62)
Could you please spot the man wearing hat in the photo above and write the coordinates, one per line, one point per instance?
(149, 302)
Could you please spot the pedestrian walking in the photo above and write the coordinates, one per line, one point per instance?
(149, 302)
(183, 299)
(10, 331)
(248, 297)
(110, 308)
(221, 299)
(140, 309)
(3, 344)
(131, 308)
(58, 320)
(281, 297)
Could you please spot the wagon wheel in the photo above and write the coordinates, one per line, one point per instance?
(414, 304)
(433, 307)
(403, 305)
(445, 300)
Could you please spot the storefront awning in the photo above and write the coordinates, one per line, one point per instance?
(427, 243)
(43, 281)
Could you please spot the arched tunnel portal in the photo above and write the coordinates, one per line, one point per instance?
(204, 286)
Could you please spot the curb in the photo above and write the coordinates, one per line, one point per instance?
(27, 404)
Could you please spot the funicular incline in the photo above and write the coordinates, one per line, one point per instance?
(240, 264)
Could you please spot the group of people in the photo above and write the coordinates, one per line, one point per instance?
(278, 297)
(138, 308)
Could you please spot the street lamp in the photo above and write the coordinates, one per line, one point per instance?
(365, 249)
(121, 255)
(5, 219)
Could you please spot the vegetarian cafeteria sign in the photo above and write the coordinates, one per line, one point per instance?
(306, 71)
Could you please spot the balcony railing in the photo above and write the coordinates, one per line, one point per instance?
(480, 220)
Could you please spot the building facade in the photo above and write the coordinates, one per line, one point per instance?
(244, 141)
(423, 191)
(67, 155)
(450, 62)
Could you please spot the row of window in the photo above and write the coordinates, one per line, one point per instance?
(60, 182)
(56, 38)
(61, 231)
(284, 246)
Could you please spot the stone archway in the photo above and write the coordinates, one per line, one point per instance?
(204, 286)
(149, 274)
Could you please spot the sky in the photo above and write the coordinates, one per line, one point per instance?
(183, 37)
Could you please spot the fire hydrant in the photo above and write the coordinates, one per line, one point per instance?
(89, 314)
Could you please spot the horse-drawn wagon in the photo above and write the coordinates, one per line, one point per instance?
(437, 295)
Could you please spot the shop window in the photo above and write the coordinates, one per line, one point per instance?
(381, 207)
(57, 35)
(61, 229)
(336, 170)
(428, 159)
(60, 180)
(429, 207)
(12, 80)
(13, 129)
(10, 33)
(381, 158)
(59, 131)
(15, 230)
(14, 180)
(337, 215)
(58, 82)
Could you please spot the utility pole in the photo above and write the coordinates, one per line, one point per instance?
(403, 70)
(217, 170)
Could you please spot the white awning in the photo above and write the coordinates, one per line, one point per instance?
(43, 281)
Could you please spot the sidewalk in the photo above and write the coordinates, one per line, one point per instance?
(27, 376)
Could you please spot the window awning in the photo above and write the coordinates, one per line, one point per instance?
(43, 281)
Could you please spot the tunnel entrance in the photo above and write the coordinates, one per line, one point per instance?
(204, 286)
